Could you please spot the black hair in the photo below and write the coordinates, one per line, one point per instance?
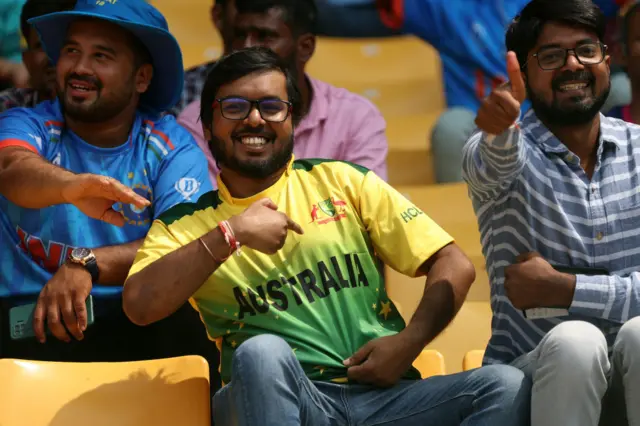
(299, 15)
(239, 64)
(524, 31)
(633, 9)
(36, 8)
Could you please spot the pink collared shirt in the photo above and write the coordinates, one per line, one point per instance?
(340, 125)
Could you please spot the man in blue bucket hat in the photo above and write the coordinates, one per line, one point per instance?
(81, 179)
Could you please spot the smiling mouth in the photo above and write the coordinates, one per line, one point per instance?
(253, 141)
(81, 86)
(570, 87)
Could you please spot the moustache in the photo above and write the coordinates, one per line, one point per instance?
(85, 78)
(582, 76)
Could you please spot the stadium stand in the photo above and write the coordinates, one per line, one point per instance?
(164, 392)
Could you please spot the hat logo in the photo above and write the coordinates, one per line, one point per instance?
(103, 2)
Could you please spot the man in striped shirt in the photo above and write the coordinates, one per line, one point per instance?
(557, 198)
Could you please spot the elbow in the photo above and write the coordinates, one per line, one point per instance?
(467, 270)
(133, 304)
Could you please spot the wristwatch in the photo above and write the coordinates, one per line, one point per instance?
(85, 258)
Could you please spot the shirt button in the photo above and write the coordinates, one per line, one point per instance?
(599, 236)
(570, 158)
(593, 189)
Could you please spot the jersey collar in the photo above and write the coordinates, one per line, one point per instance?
(270, 192)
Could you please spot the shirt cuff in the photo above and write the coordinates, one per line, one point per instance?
(592, 296)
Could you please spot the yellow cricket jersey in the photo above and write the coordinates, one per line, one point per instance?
(323, 292)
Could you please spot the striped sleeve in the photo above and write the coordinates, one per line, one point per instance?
(490, 164)
(19, 127)
(609, 297)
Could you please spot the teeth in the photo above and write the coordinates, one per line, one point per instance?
(254, 140)
(574, 86)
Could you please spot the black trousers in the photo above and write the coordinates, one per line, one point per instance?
(112, 338)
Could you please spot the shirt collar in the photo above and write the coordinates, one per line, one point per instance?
(549, 143)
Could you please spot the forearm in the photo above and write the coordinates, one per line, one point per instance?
(608, 297)
(163, 286)
(29, 181)
(492, 163)
(7, 69)
(448, 281)
(114, 262)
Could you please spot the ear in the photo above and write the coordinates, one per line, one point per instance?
(216, 16)
(306, 46)
(143, 78)
(207, 133)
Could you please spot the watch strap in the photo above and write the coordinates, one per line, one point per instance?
(91, 266)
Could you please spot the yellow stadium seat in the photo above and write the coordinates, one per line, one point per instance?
(472, 359)
(164, 392)
(407, 58)
(398, 97)
(410, 161)
(430, 363)
(190, 23)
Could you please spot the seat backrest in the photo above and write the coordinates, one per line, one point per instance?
(430, 363)
(163, 392)
(472, 359)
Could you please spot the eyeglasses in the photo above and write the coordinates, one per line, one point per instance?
(556, 57)
(236, 108)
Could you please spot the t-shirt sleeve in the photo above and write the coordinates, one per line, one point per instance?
(18, 127)
(159, 242)
(403, 236)
(183, 174)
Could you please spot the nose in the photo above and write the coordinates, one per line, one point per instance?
(572, 63)
(250, 41)
(254, 119)
(82, 65)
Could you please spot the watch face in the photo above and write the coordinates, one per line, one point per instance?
(80, 253)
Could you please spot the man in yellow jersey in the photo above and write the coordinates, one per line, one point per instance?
(281, 264)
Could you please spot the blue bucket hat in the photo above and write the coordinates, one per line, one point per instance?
(145, 22)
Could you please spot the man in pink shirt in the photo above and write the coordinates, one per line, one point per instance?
(337, 124)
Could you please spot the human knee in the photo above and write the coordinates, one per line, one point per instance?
(576, 346)
(449, 134)
(454, 126)
(263, 353)
(628, 339)
(505, 379)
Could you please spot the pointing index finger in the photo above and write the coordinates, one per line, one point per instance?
(514, 71)
(294, 226)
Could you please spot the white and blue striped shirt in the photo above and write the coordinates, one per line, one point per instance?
(530, 193)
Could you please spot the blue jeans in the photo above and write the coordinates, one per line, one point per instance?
(269, 388)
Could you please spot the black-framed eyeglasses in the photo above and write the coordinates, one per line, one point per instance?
(237, 108)
(553, 58)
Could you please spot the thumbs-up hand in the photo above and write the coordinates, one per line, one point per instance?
(501, 108)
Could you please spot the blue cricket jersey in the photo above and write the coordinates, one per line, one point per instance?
(160, 161)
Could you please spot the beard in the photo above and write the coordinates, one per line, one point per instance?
(582, 111)
(252, 168)
(101, 109)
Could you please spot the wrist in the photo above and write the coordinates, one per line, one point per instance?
(75, 268)
(415, 338)
(565, 287)
(235, 222)
(66, 182)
